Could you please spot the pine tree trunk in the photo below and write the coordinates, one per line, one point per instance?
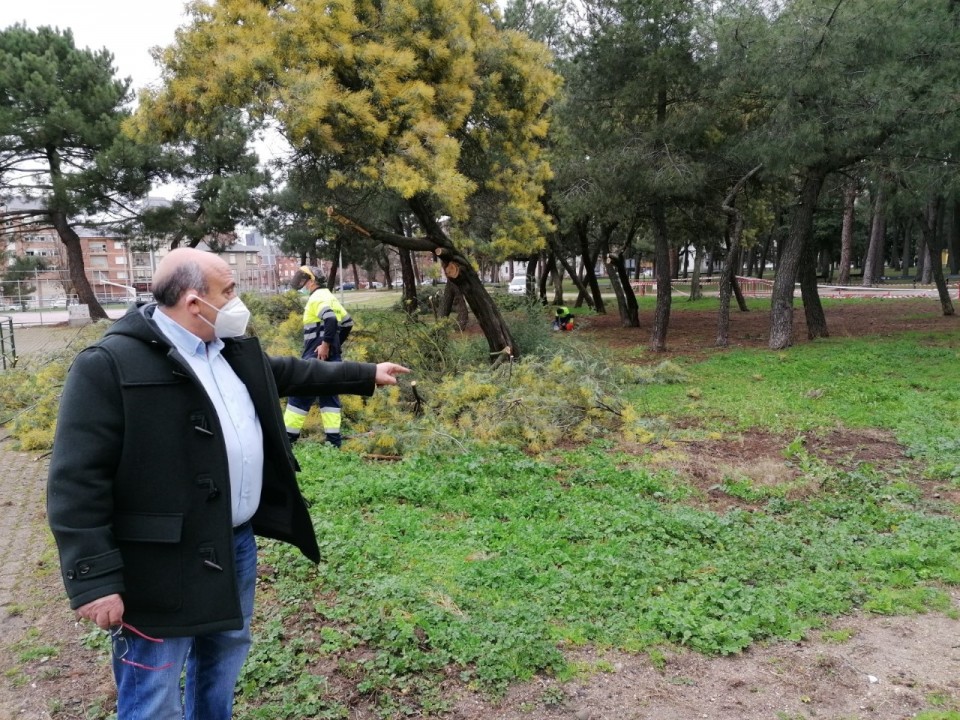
(784, 281)
(954, 239)
(928, 225)
(921, 258)
(484, 309)
(696, 287)
(626, 300)
(452, 300)
(812, 307)
(78, 278)
(459, 270)
(661, 315)
(926, 277)
(846, 234)
(581, 290)
(409, 299)
(764, 254)
(531, 273)
(590, 276)
(875, 248)
(906, 255)
(553, 276)
(728, 279)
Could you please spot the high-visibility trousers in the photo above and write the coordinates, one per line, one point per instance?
(295, 416)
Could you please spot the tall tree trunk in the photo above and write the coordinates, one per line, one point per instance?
(589, 264)
(812, 307)
(922, 257)
(953, 239)
(531, 273)
(582, 291)
(907, 255)
(554, 277)
(453, 300)
(781, 301)
(764, 254)
(71, 241)
(661, 315)
(626, 300)
(408, 297)
(877, 231)
(728, 277)
(459, 270)
(78, 278)
(928, 225)
(926, 276)
(696, 287)
(846, 233)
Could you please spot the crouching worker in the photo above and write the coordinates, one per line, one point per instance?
(563, 319)
(170, 455)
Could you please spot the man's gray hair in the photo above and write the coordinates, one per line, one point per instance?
(186, 276)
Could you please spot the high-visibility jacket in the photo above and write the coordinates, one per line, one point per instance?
(325, 320)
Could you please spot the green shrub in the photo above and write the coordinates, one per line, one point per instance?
(30, 392)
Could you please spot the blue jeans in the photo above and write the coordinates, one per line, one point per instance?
(149, 673)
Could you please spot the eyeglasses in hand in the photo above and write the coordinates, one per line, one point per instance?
(119, 641)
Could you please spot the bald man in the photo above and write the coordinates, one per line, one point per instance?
(170, 456)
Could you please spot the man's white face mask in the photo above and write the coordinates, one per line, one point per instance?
(232, 318)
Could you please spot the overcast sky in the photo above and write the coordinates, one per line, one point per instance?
(127, 28)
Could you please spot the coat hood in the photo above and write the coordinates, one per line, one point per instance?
(138, 323)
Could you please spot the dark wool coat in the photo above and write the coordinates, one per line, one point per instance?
(138, 495)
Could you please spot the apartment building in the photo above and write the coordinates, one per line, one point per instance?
(118, 269)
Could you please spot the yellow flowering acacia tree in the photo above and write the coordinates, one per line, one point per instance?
(425, 101)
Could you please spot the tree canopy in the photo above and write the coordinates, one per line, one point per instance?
(60, 142)
(427, 102)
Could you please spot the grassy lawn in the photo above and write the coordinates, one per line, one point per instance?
(492, 561)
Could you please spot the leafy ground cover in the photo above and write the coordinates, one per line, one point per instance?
(495, 564)
(787, 496)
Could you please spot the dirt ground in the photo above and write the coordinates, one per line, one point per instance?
(882, 668)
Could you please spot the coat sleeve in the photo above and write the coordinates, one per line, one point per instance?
(86, 452)
(310, 377)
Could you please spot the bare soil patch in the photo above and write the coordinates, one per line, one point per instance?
(861, 667)
(694, 332)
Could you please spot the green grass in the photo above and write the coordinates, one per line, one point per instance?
(492, 562)
(488, 563)
(905, 385)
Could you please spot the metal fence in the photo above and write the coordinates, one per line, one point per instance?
(8, 347)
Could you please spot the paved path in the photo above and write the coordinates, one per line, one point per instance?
(24, 537)
(22, 518)
(23, 540)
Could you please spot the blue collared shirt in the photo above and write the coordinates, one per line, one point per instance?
(242, 434)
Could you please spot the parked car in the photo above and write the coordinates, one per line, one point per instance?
(518, 286)
(348, 286)
(9, 307)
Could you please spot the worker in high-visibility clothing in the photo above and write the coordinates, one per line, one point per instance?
(563, 319)
(326, 325)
